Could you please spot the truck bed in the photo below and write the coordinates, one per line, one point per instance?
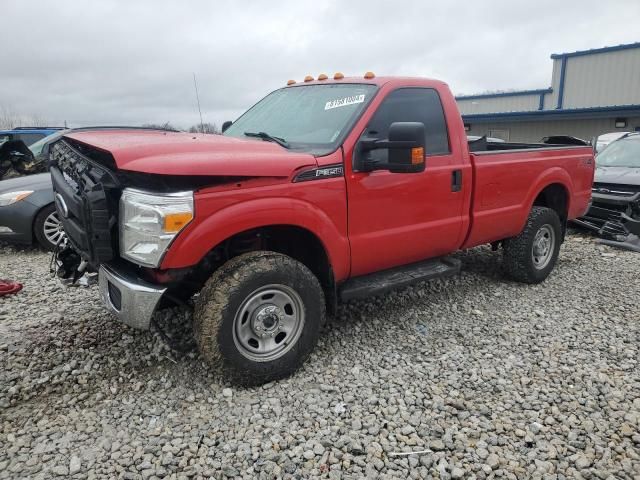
(482, 145)
(507, 181)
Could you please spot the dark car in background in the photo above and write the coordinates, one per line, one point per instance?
(616, 188)
(27, 211)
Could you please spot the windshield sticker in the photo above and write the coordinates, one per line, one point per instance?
(343, 102)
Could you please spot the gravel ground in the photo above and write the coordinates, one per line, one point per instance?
(485, 377)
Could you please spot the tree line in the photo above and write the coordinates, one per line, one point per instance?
(10, 120)
(208, 128)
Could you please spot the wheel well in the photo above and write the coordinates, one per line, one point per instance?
(296, 242)
(555, 197)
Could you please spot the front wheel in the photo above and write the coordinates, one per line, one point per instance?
(530, 257)
(47, 228)
(260, 316)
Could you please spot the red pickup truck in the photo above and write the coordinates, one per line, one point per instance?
(326, 190)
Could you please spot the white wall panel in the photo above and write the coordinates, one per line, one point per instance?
(534, 131)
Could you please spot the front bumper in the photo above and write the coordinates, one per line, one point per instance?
(132, 300)
(605, 213)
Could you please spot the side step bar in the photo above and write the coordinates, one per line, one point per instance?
(381, 282)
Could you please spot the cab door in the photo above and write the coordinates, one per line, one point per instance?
(400, 218)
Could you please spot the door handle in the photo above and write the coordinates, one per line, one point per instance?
(456, 180)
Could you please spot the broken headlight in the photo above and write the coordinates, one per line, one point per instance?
(149, 222)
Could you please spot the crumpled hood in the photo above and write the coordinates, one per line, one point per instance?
(619, 175)
(171, 153)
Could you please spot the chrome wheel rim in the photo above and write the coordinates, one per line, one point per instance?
(543, 246)
(268, 323)
(52, 229)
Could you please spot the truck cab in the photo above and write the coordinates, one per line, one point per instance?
(324, 191)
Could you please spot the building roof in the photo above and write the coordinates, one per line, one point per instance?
(555, 56)
(593, 51)
(588, 112)
(594, 93)
(513, 93)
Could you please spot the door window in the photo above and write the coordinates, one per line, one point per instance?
(411, 105)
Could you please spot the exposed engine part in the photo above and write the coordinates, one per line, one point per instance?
(16, 160)
(629, 238)
(613, 230)
(67, 265)
(612, 213)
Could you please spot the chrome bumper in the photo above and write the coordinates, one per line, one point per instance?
(130, 299)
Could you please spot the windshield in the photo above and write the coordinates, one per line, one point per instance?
(36, 148)
(621, 153)
(310, 117)
(605, 139)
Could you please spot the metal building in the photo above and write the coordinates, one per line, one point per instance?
(592, 92)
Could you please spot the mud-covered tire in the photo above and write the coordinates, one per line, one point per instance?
(520, 253)
(225, 296)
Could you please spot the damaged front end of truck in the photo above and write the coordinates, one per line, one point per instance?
(122, 203)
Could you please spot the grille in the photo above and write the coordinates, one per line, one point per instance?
(609, 209)
(90, 192)
(610, 201)
(616, 189)
(70, 163)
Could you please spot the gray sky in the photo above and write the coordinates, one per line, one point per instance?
(131, 62)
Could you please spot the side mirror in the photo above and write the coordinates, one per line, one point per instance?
(226, 125)
(406, 150)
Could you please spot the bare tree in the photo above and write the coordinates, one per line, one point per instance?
(10, 119)
(209, 128)
(160, 126)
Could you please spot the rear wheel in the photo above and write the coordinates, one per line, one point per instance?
(531, 256)
(47, 228)
(260, 316)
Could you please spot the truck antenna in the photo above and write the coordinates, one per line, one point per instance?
(198, 99)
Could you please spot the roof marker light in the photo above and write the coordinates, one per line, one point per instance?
(308, 78)
(369, 75)
(291, 82)
(322, 76)
(338, 76)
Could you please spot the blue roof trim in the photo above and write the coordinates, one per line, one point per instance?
(593, 51)
(563, 72)
(505, 94)
(45, 131)
(539, 114)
